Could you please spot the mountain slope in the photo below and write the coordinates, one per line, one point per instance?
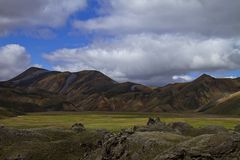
(229, 104)
(199, 92)
(61, 82)
(86, 90)
(6, 113)
(38, 89)
(31, 100)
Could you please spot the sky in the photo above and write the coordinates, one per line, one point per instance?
(153, 42)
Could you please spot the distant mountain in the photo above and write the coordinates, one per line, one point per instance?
(38, 89)
(199, 92)
(85, 90)
(229, 104)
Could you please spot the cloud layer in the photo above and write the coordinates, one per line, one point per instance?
(151, 58)
(15, 14)
(151, 41)
(13, 60)
(208, 17)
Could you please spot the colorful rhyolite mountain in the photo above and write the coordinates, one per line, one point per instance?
(38, 89)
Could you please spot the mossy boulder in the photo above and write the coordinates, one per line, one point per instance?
(237, 128)
(205, 147)
(78, 127)
(153, 121)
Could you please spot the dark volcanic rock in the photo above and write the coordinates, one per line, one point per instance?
(159, 128)
(154, 124)
(174, 141)
(153, 121)
(47, 144)
(187, 130)
(158, 141)
(224, 146)
(18, 157)
(211, 129)
(115, 147)
(237, 128)
(138, 145)
(181, 127)
(78, 127)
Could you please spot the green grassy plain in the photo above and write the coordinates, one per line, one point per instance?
(112, 121)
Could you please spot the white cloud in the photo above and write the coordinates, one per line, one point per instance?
(13, 60)
(208, 17)
(231, 77)
(182, 78)
(15, 14)
(149, 58)
(37, 65)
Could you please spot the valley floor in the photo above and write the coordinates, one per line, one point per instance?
(62, 136)
(113, 121)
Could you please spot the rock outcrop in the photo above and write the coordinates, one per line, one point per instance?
(158, 141)
(222, 146)
(78, 127)
(174, 141)
(237, 128)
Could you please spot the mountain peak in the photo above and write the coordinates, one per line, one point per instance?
(30, 71)
(34, 69)
(91, 71)
(205, 77)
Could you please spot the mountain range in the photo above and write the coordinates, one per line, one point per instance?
(38, 90)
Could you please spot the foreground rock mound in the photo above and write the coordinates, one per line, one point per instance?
(155, 141)
(139, 145)
(174, 141)
(47, 144)
(224, 146)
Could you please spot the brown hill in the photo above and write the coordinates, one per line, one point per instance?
(85, 90)
(229, 104)
(199, 92)
(38, 89)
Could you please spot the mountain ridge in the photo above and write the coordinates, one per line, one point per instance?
(91, 90)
